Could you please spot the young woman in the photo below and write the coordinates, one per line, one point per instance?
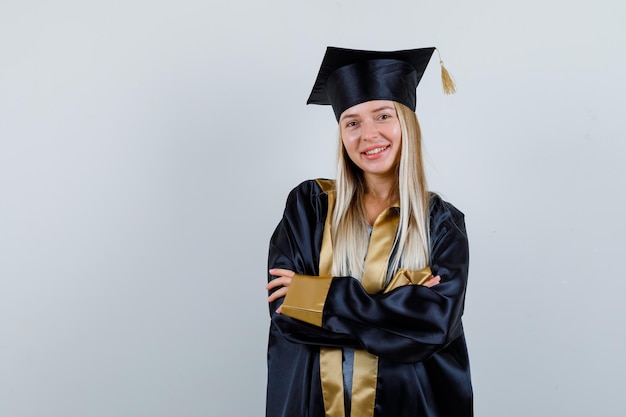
(368, 273)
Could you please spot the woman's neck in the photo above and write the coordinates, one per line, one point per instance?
(381, 189)
(379, 194)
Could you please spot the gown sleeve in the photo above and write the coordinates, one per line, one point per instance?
(407, 324)
(295, 246)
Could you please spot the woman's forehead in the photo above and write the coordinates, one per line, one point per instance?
(371, 106)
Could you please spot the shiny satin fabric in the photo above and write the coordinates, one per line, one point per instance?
(331, 378)
(379, 79)
(352, 76)
(365, 366)
(416, 332)
(331, 358)
(406, 277)
(306, 298)
(379, 251)
(364, 384)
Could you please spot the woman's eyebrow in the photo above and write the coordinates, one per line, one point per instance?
(347, 116)
(383, 108)
(376, 110)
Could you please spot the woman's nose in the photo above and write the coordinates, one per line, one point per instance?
(369, 130)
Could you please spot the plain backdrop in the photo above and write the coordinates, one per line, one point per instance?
(147, 148)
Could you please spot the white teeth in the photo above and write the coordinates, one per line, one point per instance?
(375, 151)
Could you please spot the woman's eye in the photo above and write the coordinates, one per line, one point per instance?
(384, 116)
(351, 124)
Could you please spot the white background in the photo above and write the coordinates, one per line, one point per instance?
(147, 148)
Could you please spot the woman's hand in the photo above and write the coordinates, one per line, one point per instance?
(432, 281)
(284, 277)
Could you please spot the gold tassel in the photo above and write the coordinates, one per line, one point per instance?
(446, 79)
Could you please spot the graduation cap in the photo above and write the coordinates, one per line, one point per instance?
(349, 76)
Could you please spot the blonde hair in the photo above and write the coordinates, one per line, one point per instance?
(349, 225)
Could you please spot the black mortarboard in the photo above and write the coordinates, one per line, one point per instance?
(348, 77)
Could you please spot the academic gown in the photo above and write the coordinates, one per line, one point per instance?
(415, 331)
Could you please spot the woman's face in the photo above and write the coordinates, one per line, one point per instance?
(372, 137)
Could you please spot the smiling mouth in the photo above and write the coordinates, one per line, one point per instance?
(377, 150)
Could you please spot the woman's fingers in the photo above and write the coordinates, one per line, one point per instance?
(278, 272)
(432, 281)
(283, 278)
(282, 281)
(281, 292)
(278, 282)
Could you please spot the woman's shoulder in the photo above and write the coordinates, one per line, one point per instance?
(313, 188)
(311, 192)
(443, 213)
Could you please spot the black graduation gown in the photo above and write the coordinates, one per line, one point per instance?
(416, 332)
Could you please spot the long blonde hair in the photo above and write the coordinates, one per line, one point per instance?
(349, 225)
